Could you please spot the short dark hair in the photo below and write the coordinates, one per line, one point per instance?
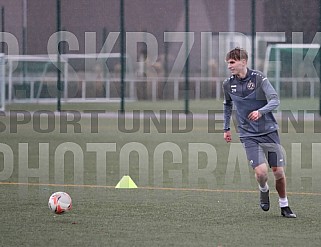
(237, 54)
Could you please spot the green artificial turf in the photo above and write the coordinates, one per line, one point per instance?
(193, 188)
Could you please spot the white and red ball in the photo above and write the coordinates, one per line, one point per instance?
(60, 202)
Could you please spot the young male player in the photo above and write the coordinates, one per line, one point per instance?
(255, 99)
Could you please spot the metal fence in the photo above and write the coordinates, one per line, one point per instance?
(37, 82)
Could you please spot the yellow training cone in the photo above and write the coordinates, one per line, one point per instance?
(126, 183)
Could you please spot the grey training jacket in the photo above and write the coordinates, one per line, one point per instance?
(254, 92)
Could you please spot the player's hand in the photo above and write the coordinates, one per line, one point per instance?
(228, 136)
(254, 115)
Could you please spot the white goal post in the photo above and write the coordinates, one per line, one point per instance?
(39, 73)
(274, 65)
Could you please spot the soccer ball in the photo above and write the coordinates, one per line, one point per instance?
(59, 202)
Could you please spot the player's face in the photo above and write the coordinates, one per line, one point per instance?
(237, 67)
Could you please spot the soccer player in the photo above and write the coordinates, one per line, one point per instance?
(255, 99)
